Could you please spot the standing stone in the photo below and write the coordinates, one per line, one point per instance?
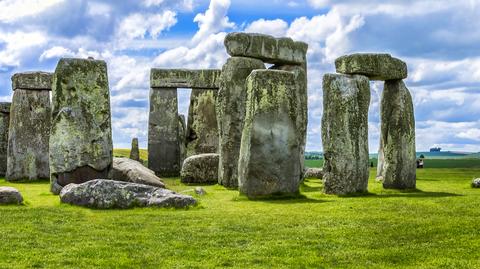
(202, 130)
(163, 133)
(397, 139)
(346, 100)
(182, 137)
(135, 152)
(81, 136)
(29, 127)
(230, 107)
(4, 123)
(271, 157)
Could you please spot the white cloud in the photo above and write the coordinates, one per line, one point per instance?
(18, 44)
(276, 27)
(182, 4)
(473, 134)
(56, 52)
(12, 10)
(213, 20)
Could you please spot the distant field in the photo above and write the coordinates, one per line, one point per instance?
(126, 153)
(428, 163)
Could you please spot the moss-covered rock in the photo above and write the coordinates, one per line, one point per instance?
(345, 133)
(4, 123)
(397, 165)
(266, 48)
(202, 130)
(81, 134)
(376, 66)
(184, 78)
(271, 157)
(135, 151)
(230, 107)
(36, 80)
(182, 137)
(201, 168)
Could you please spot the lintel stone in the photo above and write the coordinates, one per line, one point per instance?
(184, 78)
(376, 66)
(32, 81)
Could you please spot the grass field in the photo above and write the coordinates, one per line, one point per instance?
(429, 163)
(433, 227)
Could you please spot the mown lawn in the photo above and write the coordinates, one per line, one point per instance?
(434, 227)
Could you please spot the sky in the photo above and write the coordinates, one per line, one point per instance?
(438, 39)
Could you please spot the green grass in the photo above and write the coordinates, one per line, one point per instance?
(126, 153)
(433, 227)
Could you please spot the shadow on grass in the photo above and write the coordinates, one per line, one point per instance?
(26, 181)
(410, 193)
(281, 199)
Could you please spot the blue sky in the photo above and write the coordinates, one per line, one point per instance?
(439, 40)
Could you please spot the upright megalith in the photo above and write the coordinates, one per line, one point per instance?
(81, 134)
(135, 151)
(4, 123)
(397, 142)
(271, 152)
(346, 99)
(230, 107)
(182, 137)
(29, 128)
(202, 131)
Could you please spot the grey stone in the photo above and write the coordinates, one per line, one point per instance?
(9, 195)
(184, 78)
(230, 107)
(202, 130)
(200, 191)
(314, 173)
(81, 146)
(345, 133)
(32, 81)
(135, 151)
(106, 194)
(271, 158)
(476, 183)
(4, 123)
(163, 133)
(397, 155)
(29, 129)
(128, 170)
(266, 48)
(182, 137)
(202, 168)
(375, 66)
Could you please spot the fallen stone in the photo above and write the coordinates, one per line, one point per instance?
(375, 66)
(314, 173)
(128, 170)
(107, 194)
(184, 78)
(202, 129)
(200, 191)
(164, 154)
(202, 168)
(4, 123)
(397, 155)
(29, 128)
(271, 159)
(230, 107)
(135, 151)
(345, 133)
(9, 195)
(81, 146)
(266, 48)
(476, 183)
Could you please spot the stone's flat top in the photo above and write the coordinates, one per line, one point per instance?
(266, 48)
(376, 66)
(5, 107)
(36, 80)
(184, 78)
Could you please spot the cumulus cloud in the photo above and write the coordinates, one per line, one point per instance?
(213, 20)
(277, 27)
(12, 10)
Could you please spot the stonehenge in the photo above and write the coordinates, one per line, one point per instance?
(345, 124)
(4, 123)
(134, 151)
(81, 146)
(29, 127)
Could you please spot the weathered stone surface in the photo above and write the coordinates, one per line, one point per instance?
(476, 183)
(202, 129)
(135, 151)
(397, 161)
(4, 123)
(182, 137)
(373, 65)
(28, 135)
(128, 170)
(271, 159)
(345, 133)
(266, 48)
(200, 191)
(9, 195)
(184, 78)
(106, 194)
(202, 168)
(32, 81)
(314, 173)
(81, 135)
(230, 107)
(163, 132)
